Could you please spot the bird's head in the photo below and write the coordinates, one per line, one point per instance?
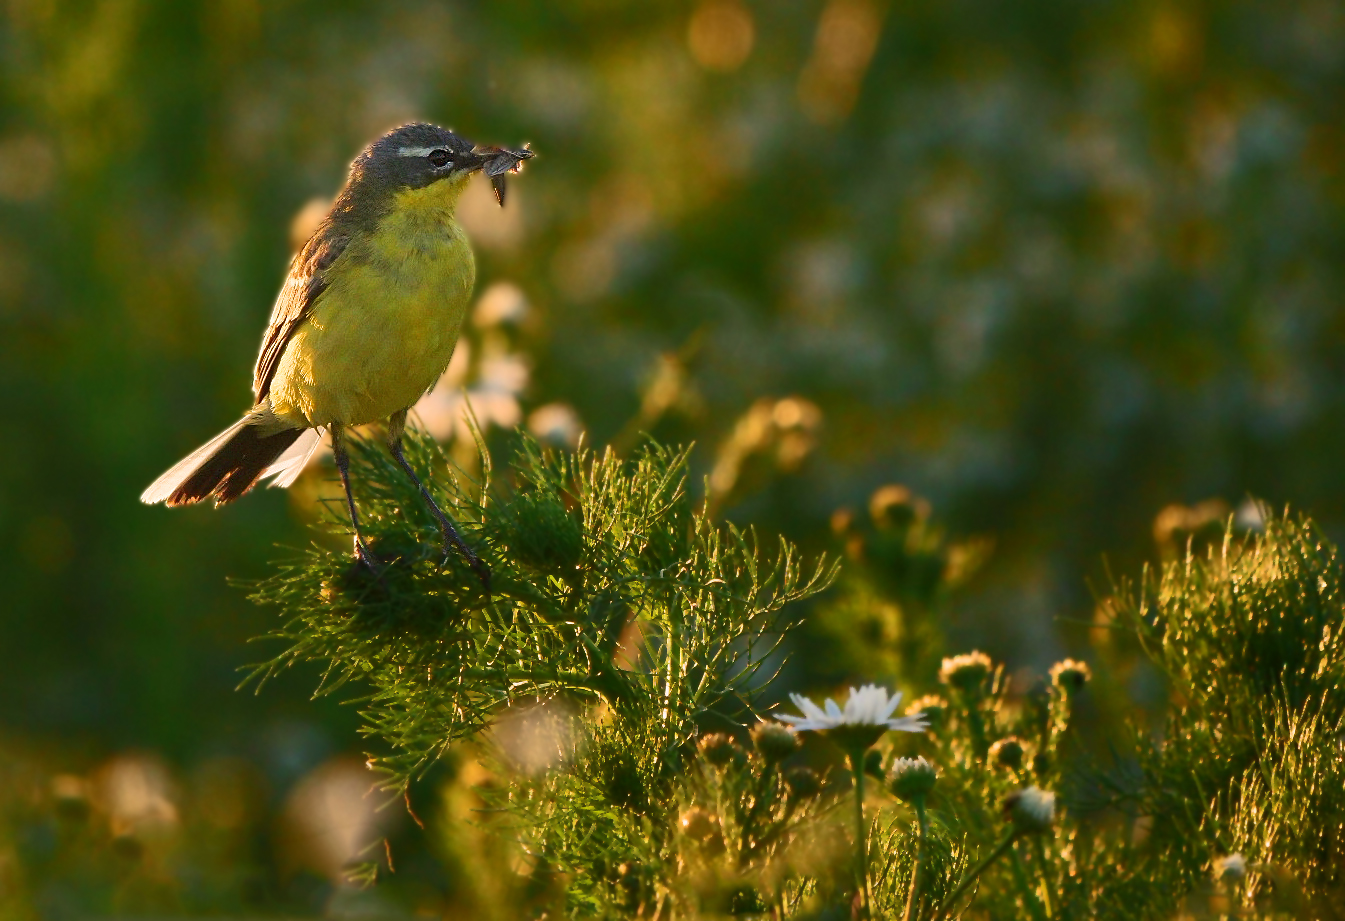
(422, 156)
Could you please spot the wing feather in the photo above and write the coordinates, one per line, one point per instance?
(303, 286)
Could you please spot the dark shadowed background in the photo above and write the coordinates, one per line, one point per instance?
(1054, 266)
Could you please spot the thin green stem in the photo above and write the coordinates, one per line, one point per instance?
(1043, 883)
(912, 897)
(975, 873)
(861, 834)
(1030, 900)
(976, 725)
(763, 790)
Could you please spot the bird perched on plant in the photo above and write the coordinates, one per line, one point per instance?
(365, 323)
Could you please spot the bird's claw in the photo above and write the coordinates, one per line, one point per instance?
(482, 571)
(366, 556)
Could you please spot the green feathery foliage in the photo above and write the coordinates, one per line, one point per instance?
(584, 550)
(609, 677)
(1252, 758)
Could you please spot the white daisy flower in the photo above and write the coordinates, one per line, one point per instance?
(867, 715)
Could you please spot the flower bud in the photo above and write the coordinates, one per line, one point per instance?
(912, 778)
(631, 880)
(966, 672)
(1230, 868)
(803, 782)
(773, 741)
(719, 749)
(1032, 810)
(1007, 753)
(1070, 676)
(698, 824)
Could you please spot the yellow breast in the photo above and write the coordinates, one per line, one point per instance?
(383, 331)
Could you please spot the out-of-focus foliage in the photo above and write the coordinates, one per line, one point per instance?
(1054, 266)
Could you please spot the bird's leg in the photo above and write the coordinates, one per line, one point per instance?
(396, 425)
(362, 551)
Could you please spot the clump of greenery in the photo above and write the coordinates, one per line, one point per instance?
(885, 618)
(607, 589)
(612, 681)
(1251, 758)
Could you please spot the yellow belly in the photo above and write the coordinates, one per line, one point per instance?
(383, 331)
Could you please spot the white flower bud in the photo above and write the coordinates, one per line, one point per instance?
(912, 778)
(1032, 811)
(1230, 868)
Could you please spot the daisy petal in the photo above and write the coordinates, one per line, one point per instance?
(809, 709)
(908, 723)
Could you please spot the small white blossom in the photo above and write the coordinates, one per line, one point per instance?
(868, 706)
(1232, 867)
(867, 715)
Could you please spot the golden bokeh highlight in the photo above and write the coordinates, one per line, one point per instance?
(846, 38)
(1175, 43)
(305, 222)
(720, 35)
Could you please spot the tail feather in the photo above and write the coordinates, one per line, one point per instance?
(225, 467)
(289, 465)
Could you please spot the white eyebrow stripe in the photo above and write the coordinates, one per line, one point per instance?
(417, 151)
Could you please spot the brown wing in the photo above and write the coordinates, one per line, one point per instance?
(304, 283)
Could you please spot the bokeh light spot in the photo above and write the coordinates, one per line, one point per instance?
(847, 36)
(27, 168)
(720, 35)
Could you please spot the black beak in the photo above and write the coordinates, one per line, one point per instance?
(496, 163)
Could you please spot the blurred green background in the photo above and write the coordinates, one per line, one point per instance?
(1053, 266)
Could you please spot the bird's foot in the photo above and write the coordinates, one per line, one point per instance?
(366, 556)
(453, 542)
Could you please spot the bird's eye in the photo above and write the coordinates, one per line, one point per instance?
(439, 159)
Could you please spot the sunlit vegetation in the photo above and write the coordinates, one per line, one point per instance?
(993, 304)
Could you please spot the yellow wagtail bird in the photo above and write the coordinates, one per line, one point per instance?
(364, 325)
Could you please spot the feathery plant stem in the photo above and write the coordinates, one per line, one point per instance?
(628, 622)
(974, 873)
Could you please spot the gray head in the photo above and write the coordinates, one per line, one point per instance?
(414, 156)
(417, 156)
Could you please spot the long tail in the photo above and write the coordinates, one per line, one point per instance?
(226, 466)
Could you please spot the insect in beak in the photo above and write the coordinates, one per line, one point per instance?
(498, 162)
